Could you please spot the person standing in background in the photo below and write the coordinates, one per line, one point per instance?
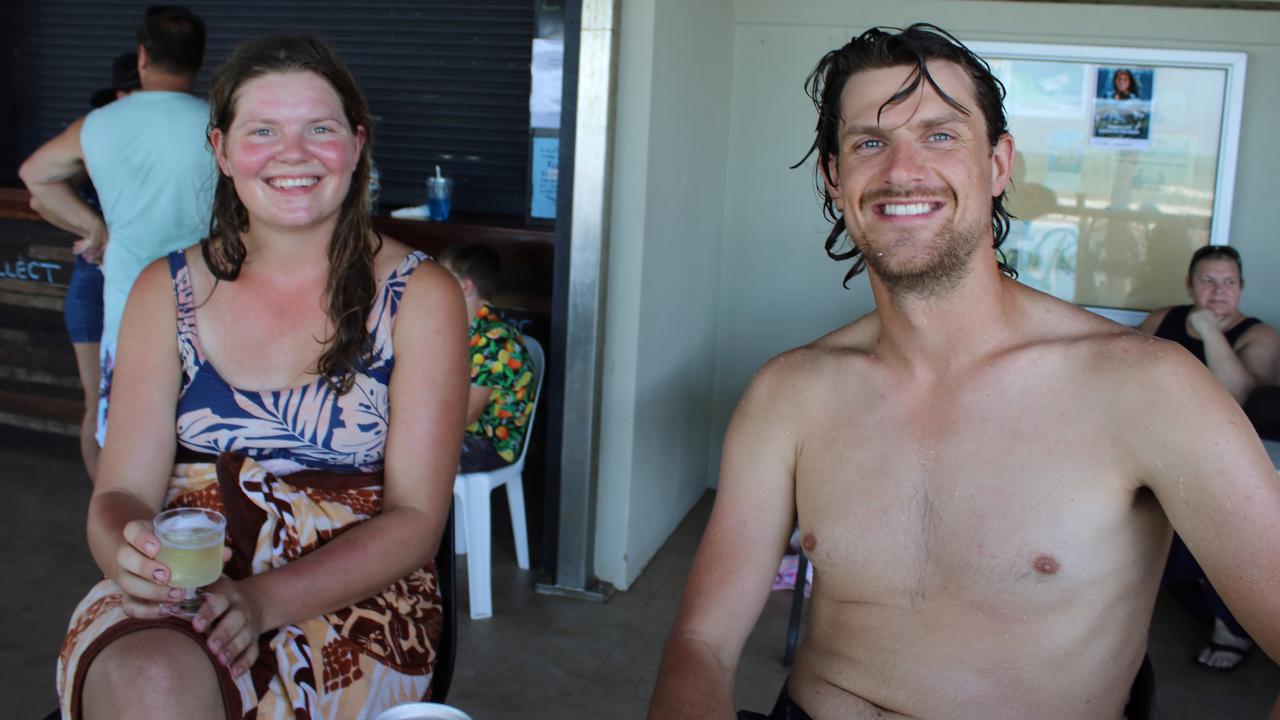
(148, 159)
(82, 309)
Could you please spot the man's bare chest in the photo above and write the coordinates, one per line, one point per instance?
(985, 504)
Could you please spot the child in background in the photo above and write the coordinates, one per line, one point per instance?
(501, 397)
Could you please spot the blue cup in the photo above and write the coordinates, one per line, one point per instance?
(439, 197)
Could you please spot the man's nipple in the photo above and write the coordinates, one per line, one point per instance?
(1045, 564)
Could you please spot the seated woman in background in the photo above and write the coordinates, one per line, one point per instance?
(318, 376)
(1242, 352)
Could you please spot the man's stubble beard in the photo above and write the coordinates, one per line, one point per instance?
(933, 277)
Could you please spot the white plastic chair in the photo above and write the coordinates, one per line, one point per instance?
(471, 498)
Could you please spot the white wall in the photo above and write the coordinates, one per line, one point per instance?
(716, 259)
(665, 237)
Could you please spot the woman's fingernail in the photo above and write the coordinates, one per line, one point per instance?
(214, 645)
(151, 549)
(177, 594)
(158, 575)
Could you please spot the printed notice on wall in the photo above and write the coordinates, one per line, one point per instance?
(1122, 107)
(548, 76)
(545, 177)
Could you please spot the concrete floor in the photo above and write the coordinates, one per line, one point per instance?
(538, 657)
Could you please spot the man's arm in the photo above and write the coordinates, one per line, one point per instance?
(47, 175)
(1205, 463)
(738, 557)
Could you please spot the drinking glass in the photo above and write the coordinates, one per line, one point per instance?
(191, 541)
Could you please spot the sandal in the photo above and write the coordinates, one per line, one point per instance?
(1235, 656)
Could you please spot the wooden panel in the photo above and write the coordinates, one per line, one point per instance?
(39, 383)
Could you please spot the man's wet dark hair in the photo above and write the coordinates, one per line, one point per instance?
(879, 48)
(476, 262)
(173, 37)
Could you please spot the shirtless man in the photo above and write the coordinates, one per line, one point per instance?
(984, 476)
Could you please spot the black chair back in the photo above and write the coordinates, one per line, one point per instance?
(1142, 696)
(447, 576)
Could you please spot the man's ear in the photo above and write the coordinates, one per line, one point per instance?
(144, 60)
(830, 169)
(1001, 164)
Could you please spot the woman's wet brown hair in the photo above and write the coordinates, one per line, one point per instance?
(352, 285)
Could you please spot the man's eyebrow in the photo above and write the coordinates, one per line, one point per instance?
(926, 123)
(861, 129)
(943, 119)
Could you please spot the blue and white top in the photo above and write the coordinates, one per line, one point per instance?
(310, 425)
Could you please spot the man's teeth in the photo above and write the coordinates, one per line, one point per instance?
(912, 209)
(292, 182)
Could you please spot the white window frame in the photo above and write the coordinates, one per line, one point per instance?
(1235, 65)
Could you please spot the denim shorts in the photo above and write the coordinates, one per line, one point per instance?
(82, 311)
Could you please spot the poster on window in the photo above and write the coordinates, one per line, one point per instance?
(1122, 107)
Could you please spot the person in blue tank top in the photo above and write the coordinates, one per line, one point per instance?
(1242, 353)
(149, 162)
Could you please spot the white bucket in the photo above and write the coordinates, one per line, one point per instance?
(423, 711)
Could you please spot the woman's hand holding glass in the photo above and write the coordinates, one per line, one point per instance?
(155, 567)
(152, 589)
(143, 579)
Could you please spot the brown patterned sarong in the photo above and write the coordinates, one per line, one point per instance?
(350, 663)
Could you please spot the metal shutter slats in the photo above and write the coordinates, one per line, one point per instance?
(448, 81)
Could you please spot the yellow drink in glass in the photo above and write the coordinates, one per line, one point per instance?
(191, 542)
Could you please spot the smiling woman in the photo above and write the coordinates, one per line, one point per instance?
(278, 114)
(280, 347)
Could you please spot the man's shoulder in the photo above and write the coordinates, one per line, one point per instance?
(1097, 340)
(140, 110)
(841, 351)
(1121, 362)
